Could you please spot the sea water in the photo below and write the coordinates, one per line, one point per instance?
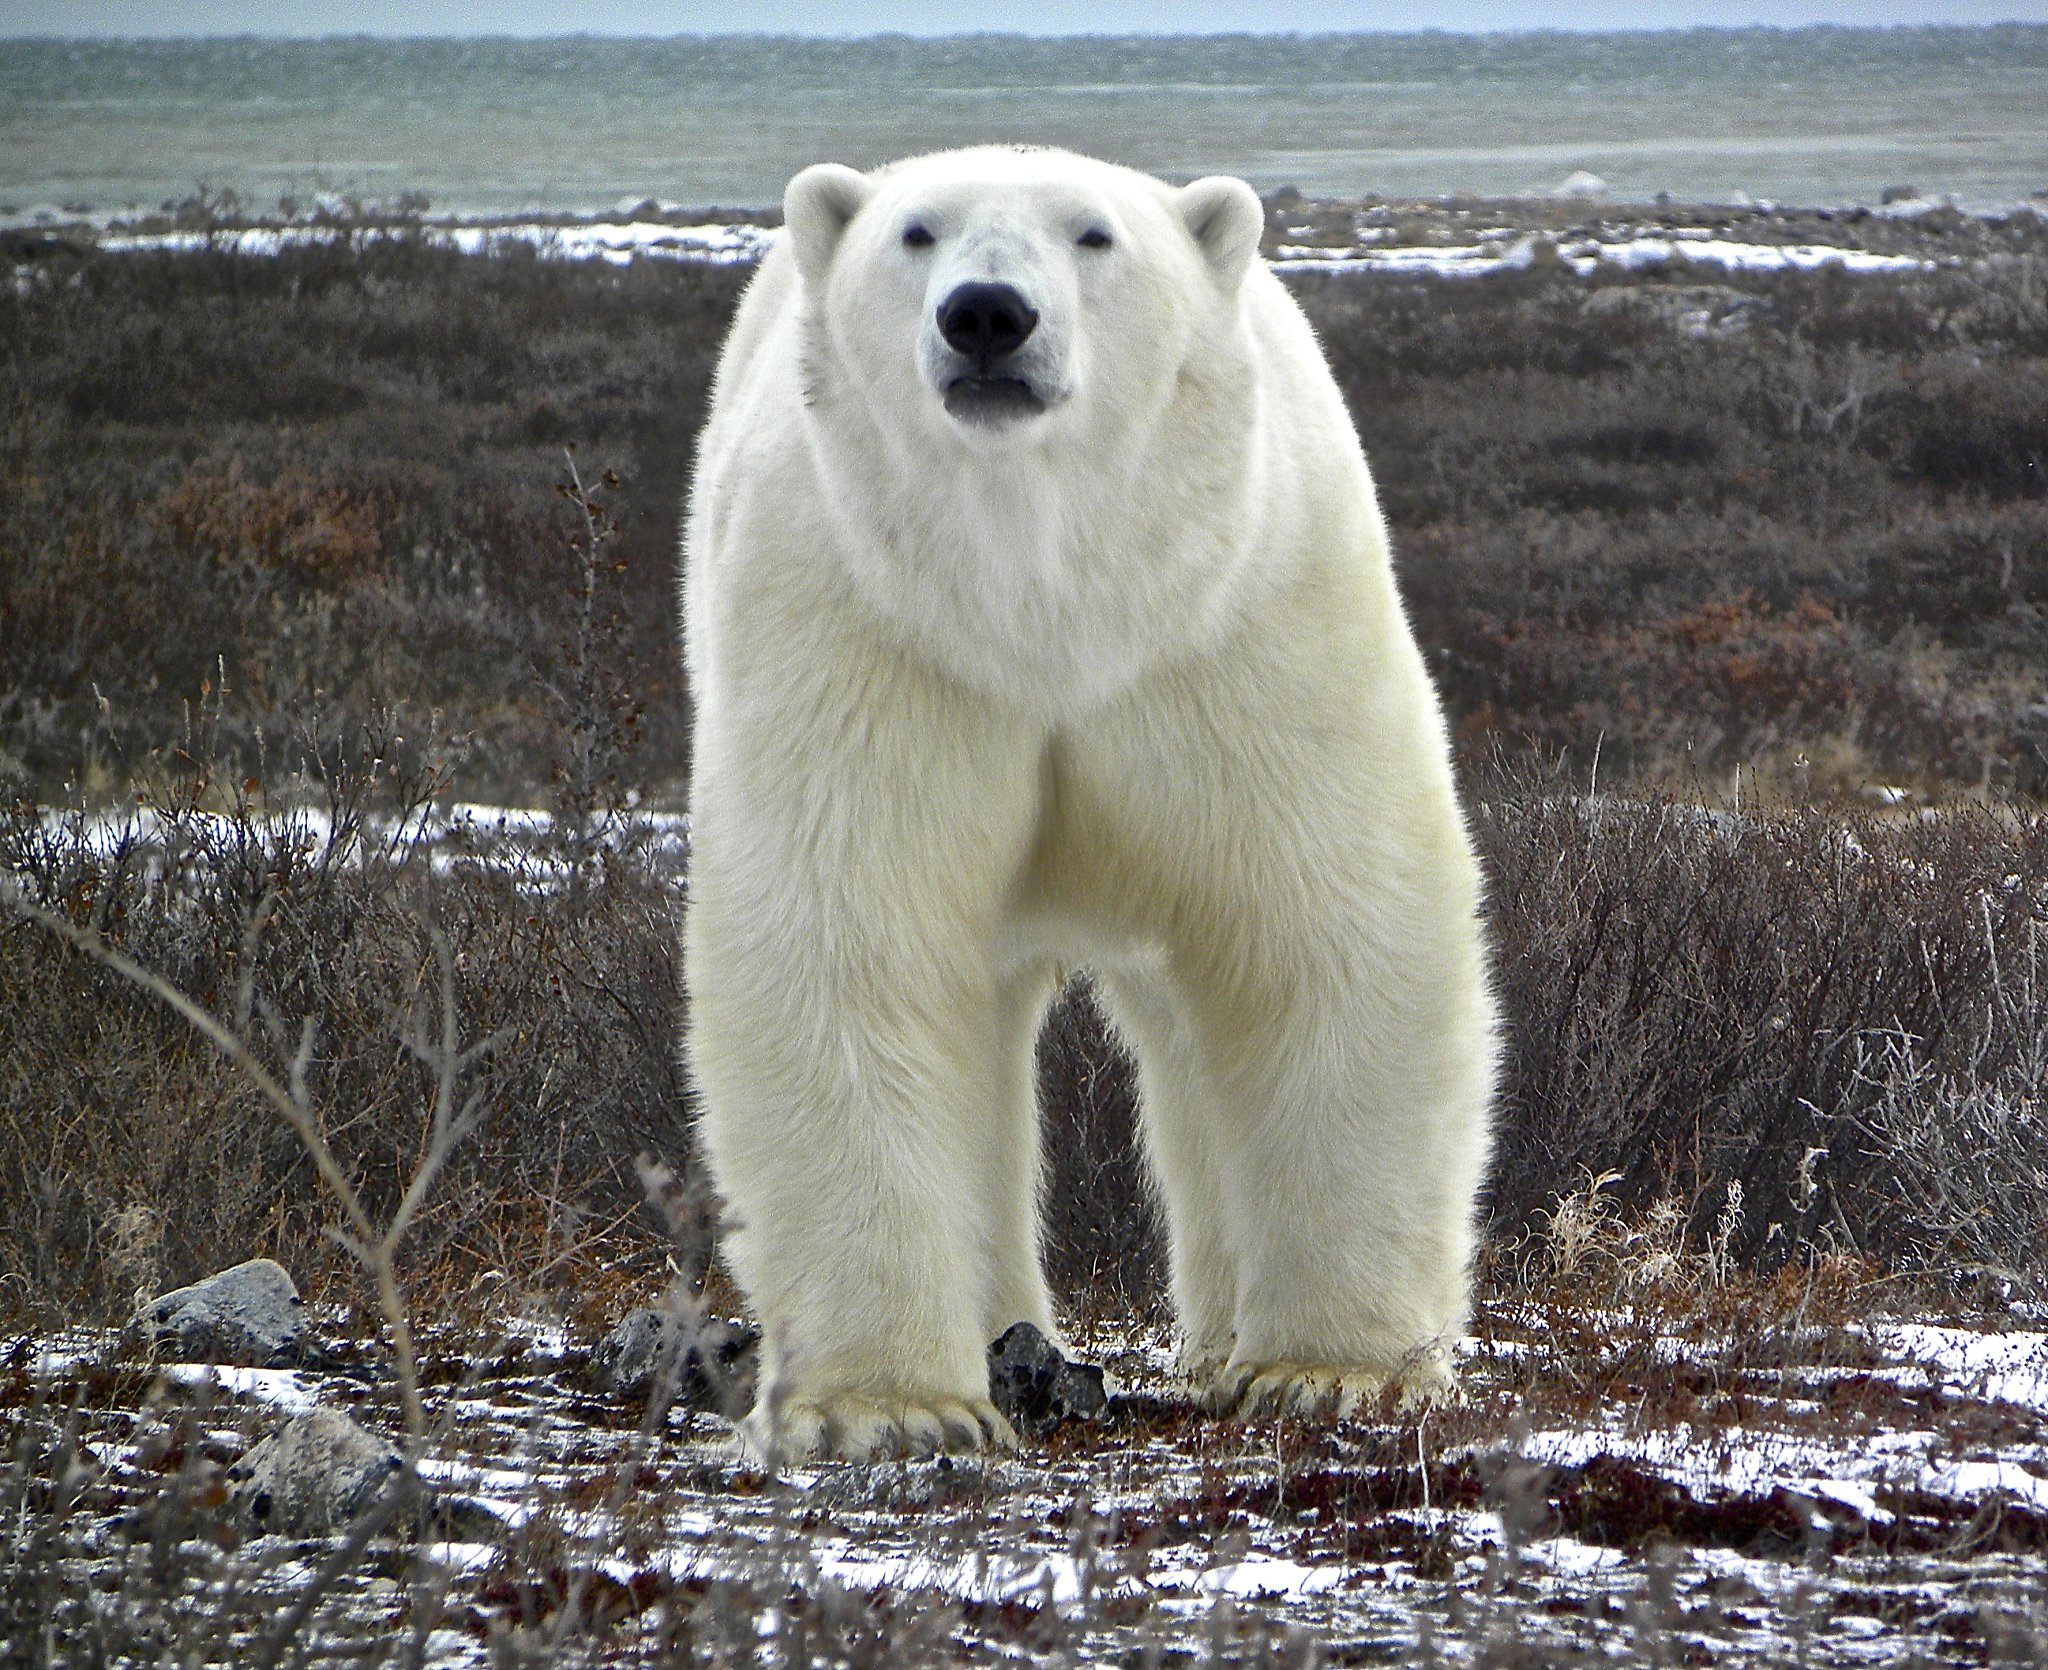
(1807, 117)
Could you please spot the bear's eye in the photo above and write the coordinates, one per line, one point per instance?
(917, 236)
(1093, 238)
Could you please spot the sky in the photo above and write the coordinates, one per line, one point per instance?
(939, 17)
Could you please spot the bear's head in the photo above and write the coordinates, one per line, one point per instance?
(999, 295)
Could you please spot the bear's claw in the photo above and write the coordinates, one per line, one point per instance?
(859, 1428)
(1251, 1391)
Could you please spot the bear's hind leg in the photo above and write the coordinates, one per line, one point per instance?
(1179, 1120)
(1016, 1289)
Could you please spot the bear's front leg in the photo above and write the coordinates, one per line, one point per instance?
(843, 1035)
(1355, 1070)
(1318, 1086)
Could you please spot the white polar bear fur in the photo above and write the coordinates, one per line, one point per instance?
(1124, 685)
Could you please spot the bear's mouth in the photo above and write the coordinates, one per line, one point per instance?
(992, 400)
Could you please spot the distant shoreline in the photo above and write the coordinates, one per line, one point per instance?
(498, 126)
(1445, 237)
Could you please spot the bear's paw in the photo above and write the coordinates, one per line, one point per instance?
(1327, 1391)
(853, 1427)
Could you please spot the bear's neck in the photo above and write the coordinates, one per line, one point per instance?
(1050, 576)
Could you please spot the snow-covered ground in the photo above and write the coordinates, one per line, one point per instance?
(1858, 1494)
(447, 835)
(616, 242)
(1505, 252)
(1437, 239)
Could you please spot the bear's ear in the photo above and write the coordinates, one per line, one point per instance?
(816, 208)
(1227, 220)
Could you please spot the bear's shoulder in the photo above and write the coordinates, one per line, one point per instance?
(770, 299)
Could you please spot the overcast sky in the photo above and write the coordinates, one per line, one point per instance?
(938, 17)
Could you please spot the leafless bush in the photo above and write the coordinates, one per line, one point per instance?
(1785, 1004)
(599, 712)
(158, 1583)
(1101, 1236)
(1969, 1144)
(331, 469)
(253, 904)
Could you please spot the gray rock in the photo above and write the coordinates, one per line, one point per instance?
(711, 1362)
(313, 1476)
(250, 1315)
(1037, 1388)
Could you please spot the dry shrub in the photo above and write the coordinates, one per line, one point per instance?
(129, 1149)
(1102, 1236)
(1580, 472)
(1703, 1002)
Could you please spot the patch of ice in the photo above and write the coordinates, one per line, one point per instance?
(1988, 1478)
(1853, 1496)
(460, 1557)
(60, 1353)
(1568, 1557)
(1580, 182)
(1058, 1578)
(1726, 252)
(475, 1480)
(1911, 205)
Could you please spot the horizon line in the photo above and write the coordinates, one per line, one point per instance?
(850, 36)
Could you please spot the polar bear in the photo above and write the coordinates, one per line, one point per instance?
(1039, 617)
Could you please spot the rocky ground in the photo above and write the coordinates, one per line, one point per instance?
(1699, 1473)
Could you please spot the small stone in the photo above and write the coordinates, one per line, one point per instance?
(1037, 1388)
(250, 1316)
(312, 1477)
(711, 1362)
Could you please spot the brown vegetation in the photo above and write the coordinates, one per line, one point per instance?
(332, 472)
(1821, 1035)
(1692, 518)
(282, 565)
(1701, 519)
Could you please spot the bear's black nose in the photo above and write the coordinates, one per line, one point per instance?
(986, 321)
